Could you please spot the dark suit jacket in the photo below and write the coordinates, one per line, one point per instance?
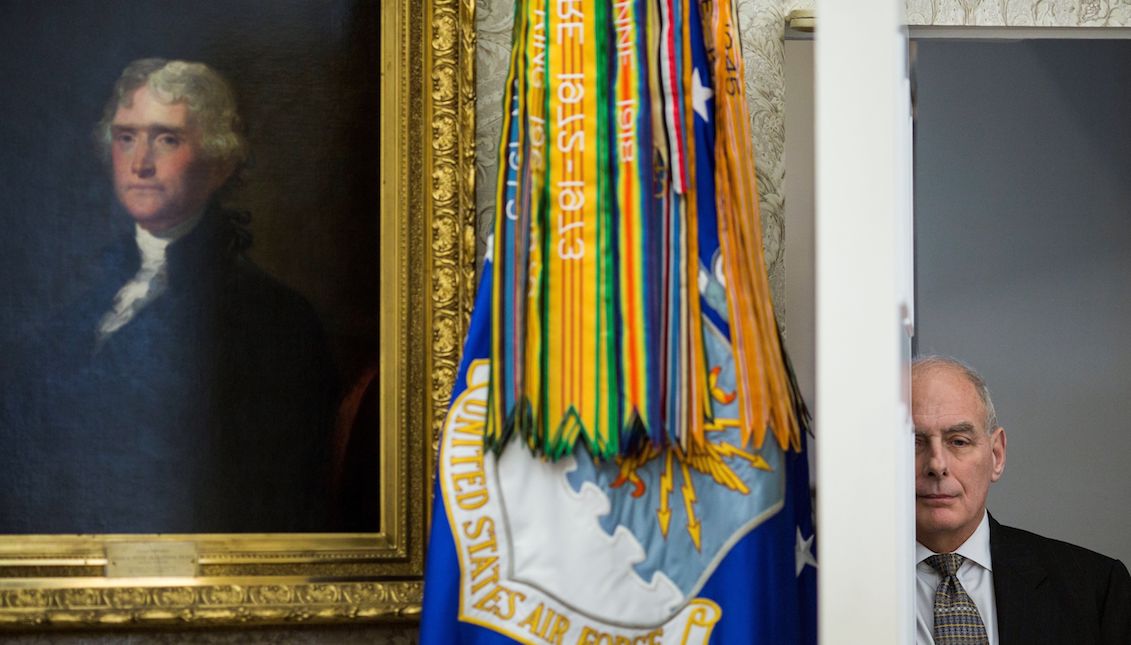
(1049, 591)
(210, 412)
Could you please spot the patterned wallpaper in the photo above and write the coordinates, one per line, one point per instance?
(1020, 13)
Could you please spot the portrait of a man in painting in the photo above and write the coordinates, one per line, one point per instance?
(223, 371)
(183, 328)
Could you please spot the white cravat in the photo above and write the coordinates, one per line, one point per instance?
(975, 574)
(149, 282)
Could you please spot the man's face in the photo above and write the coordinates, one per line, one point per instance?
(956, 460)
(160, 174)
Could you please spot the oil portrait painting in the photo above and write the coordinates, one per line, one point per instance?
(189, 281)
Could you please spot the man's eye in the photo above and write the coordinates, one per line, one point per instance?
(168, 140)
(960, 442)
(124, 138)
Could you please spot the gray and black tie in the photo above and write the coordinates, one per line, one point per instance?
(957, 621)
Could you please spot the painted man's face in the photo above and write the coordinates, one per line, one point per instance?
(161, 176)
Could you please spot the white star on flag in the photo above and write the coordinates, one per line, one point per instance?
(700, 94)
(804, 552)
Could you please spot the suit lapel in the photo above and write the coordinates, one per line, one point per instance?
(1023, 607)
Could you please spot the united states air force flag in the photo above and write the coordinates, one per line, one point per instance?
(624, 457)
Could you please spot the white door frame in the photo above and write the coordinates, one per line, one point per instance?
(865, 502)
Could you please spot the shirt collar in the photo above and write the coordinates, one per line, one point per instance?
(152, 245)
(976, 548)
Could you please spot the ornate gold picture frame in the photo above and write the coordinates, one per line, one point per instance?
(427, 273)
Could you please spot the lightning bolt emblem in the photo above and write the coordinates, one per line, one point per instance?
(664, 514)
(688, 489)
(755, 460)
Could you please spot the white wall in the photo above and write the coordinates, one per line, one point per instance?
(1023, 223)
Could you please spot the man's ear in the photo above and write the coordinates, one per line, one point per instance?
(997, 445)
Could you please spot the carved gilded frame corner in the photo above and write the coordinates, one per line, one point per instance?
(427, 260)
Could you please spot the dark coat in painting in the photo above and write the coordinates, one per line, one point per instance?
(210, 411)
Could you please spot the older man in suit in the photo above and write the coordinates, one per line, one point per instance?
(979, 581)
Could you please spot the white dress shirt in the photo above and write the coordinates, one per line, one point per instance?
(150, 280)
(975, 574)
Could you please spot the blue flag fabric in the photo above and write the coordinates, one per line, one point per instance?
(651, 550)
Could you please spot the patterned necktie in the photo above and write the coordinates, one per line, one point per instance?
(957, 621)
